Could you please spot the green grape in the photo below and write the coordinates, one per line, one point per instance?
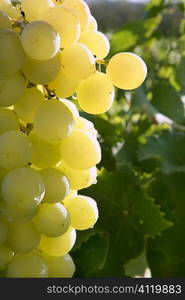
(3, 231)
(23, 189)
(40, 41)
(5, 22)
(8, 120)
(11, 89)
(60, 267)
(93, 24)
(45, 154)
(72, 193)
(72, 107)
(96, 94)
(83, 212)
(79, 179)
(81, 150)
(11, 52)
(77, 62)
(126, 70)
(28, 104)
(96, 41)
(52, 220)
(56, 185)
(58, 246)
(41, 71)
(34, 9)
(9, 9)
(84, 124)
(53, 121)
(81, 10)
(23, 237)
(15, 150)
(63, 86)
(65, 23)
(31, 265)
(5, 256)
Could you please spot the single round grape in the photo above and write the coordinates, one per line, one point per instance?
(11, 89)
(3, 231)
(83, 212)
(40, 41)
(23, 188)
(15, 150)
(52, 220)
(5, 22)
(5, 256)
(53, 121)
(41, 71)
(84, 124)
(11, 52)
(45, 154)
(81, 10)
(64, 21)
(8, 120)
(61, 267)
(58, 246)
(126, 70)
(96, 94)
(23, 238)
(77, 62)
(28, 104)
(81, 150)
(96, 41)
(34, 9)
(56, 185)
(93, 24)
(31, 265)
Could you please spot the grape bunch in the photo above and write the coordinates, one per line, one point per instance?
(51, 52)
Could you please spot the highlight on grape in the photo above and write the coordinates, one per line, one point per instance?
(50, 51)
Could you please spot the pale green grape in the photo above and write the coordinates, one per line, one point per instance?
(45, 154)
(11, 52)
(56, 185)
(34, 9)
(72, 193)
(9, 9)
(3, 231)
(8, 120)
(11, 213)
(60, 267)
(23, 189)
(84, 124)
(40, 41)
(93, 24)
(126, 70)
(11, 89)
(58, 246)
(65, 23)
(53, 121)
(5, 22)
(79, 179)
(81, 10)
(5, 256)
(52, 220)
(72, 107)
(96, 41)
(81, 150)
(83, 212)
(31, 265)
(41, 71)
(23, 237)
(96, 94)
(77, 62)
(15, 150)
(28, 104)
(63, 86)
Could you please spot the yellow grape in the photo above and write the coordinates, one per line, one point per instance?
(126, 70)
(28, 104)
(52, 220)
(45, 154)
(72, 107)
(5, 22)
(3, 231)
(8, 120)
(81, 150)
(96, 94)
(40, 40)
(77, 62)
(5, 256)
(72, 193)
(93, 24)
(60, 267)
(83, 212)
(64, 21)
(96, 41)
(58, 246)
(84, 124)
(34, 9)
(41, 71)
(9, 9)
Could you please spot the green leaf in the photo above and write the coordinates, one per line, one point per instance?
(137, 267)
